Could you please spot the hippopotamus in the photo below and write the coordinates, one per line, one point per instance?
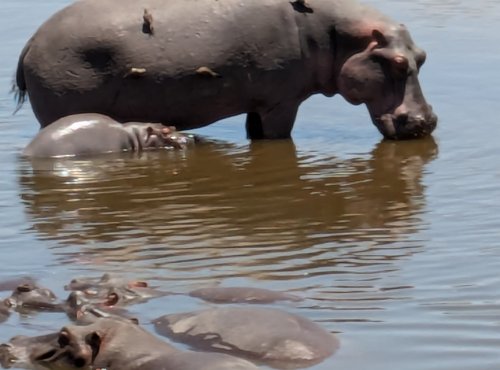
(85, 311)
(109, 344)
(29, 297)
(190, 63)
(110, 290)
(242, 295)
(272, 336)
(91, 133)
(12, 284)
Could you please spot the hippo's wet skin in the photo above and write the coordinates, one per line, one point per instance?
(193, 62)
(242, 295)
(91, 133)
(272, 336)
(109, 344)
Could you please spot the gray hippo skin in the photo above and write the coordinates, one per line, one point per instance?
(272, 336)
(109, 344)
(190, 63)
(242, 295)
(91, 133)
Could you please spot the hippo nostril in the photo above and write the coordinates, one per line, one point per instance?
(401, 119)
(79, 362)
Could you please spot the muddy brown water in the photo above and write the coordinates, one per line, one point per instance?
(394, 246)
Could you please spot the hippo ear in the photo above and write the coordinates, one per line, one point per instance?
(138, 284)
(112, 299)
(379, 38)
(134, 320)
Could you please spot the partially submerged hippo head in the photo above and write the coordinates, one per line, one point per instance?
(109, 291)
(384, 76)
(57, 351)
(17, 352)
(31, 297)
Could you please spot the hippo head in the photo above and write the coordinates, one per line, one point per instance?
(384, 76)
(29, 296)
(65, 350)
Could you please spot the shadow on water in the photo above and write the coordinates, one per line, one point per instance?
(186, 207)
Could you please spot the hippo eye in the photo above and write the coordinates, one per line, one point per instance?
(399, 66)
(400, 63)
(63, 339)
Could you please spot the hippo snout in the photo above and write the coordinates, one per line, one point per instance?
(407, 125)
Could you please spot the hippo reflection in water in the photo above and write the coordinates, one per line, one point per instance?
(272, 336)
(109, 344)
(207, 60)
(91, 134)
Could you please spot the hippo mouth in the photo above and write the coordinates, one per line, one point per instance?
(403, 127)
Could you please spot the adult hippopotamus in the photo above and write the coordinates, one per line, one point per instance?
(109, 344)
(193, 62)
(272, 336)
(242, 295)
(91, 133)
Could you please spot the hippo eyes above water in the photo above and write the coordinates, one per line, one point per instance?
(395, 66)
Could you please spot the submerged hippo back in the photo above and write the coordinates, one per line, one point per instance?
(79, 135)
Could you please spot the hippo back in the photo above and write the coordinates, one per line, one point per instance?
(79, 135)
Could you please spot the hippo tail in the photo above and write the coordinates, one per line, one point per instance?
(19, 84)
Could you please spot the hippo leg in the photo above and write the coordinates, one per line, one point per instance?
(276, 123)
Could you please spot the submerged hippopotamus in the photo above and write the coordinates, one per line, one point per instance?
(275, 337)
(11, 284)
(114, 291)
(242, 295)
(109, 344)
(92, 133)
(193, 62)
(29, 297)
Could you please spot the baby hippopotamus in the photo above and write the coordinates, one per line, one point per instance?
(109, 344)
(92, 134)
